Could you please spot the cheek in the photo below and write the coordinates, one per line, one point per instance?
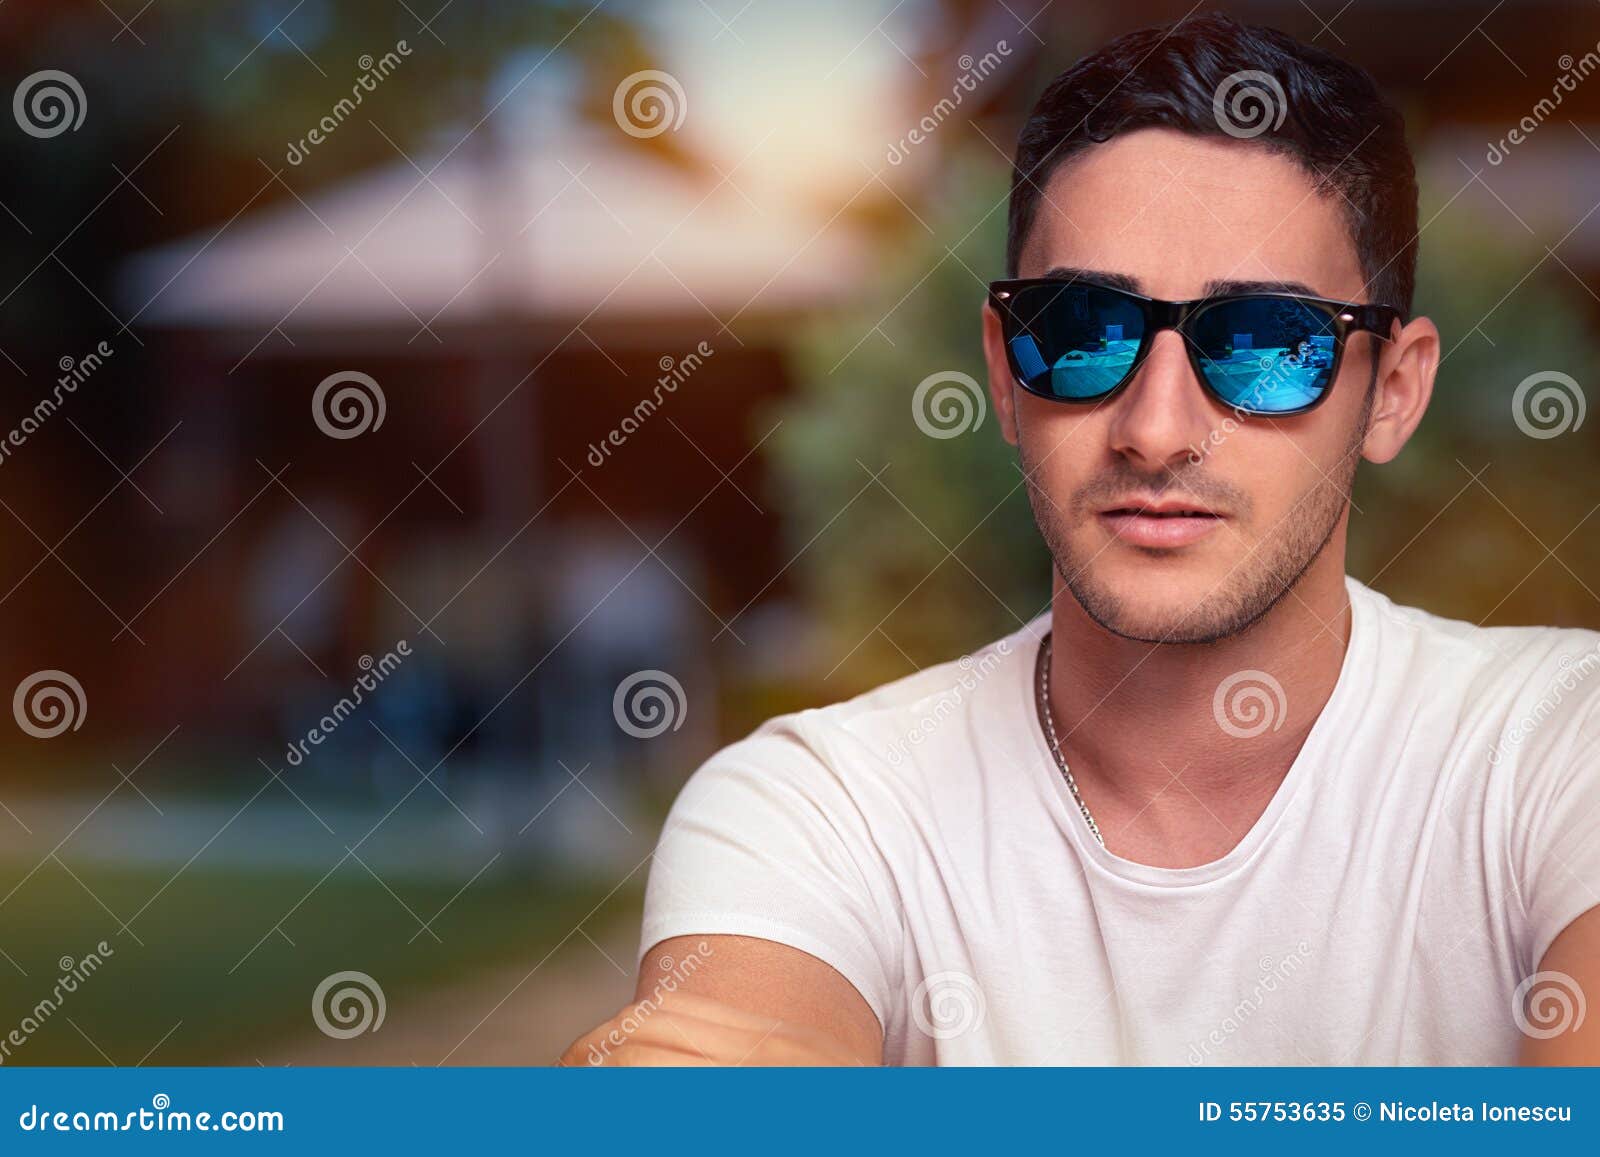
(1061, 445)
(1062, 427)
(1279, 466)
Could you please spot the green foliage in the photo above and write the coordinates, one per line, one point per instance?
(1470, 549)
(923, 547)
(204, 948)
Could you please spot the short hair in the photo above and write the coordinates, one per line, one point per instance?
(1335, 124)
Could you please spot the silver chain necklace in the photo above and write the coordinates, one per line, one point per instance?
(1047, 717)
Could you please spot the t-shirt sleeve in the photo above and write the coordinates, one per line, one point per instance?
(1556, 828)
(766, 840)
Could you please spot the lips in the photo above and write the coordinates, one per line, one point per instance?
(1163, 523)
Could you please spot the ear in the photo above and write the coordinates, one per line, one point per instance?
(1406, 368)
(1002, 387)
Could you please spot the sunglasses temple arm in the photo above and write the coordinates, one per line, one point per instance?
(1379, 323)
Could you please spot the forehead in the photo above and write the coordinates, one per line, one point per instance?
(1176, 212)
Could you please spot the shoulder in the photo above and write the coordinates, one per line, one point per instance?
(881, 737)
(1513, 713)
(901, 728)
(1548, 673)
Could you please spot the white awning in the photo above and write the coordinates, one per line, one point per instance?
(583, 221)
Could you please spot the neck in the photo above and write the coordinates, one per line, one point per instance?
(1135, 718)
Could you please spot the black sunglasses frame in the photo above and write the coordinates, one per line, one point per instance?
(1344, 319)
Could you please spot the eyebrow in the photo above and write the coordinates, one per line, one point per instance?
(1214, 288)
(1110, 280)
(1217, 288)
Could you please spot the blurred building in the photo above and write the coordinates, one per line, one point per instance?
(570, 344)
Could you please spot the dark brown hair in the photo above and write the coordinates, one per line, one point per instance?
(1334, 123)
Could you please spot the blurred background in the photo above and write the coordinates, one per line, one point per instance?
(436, 425)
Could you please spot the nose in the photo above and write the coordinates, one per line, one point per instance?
(1163, 413)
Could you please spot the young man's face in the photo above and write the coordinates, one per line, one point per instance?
(1178, 214)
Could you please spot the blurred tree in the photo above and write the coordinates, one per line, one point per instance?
(1477, 550)
(913, 548)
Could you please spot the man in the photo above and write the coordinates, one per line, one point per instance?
(1222, 805)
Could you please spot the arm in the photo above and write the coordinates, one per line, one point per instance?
(772, 915)
(734, 1000)
(1575, 956)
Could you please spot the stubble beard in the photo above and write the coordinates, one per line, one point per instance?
(1250, 590)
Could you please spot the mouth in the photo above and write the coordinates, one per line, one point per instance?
(1163, 523)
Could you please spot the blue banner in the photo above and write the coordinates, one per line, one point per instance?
(696, 1111)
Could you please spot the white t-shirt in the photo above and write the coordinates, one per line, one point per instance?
(1438, 829)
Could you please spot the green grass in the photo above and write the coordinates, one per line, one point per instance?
(198, 931)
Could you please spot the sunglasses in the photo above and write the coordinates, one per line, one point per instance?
(1257, 353)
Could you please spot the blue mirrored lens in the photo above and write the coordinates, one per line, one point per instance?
(1075, 341)
(1266, 355)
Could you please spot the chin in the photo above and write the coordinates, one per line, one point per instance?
(1146, 606)
(1161, 624)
